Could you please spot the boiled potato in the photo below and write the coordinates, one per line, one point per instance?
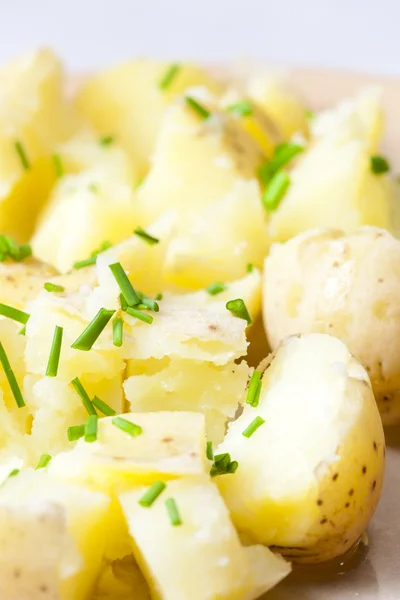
(202, 557)
(20, 282)
(122, 580)
(309, 478)
(126, 101)
(346, 285)
(52, 538)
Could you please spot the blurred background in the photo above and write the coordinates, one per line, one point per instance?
(353, 34)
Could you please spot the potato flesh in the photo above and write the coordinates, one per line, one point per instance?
(294, 494)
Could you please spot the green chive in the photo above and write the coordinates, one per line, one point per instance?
(210, 451)
(152, 493)
(106, 140)
(124, 284)
(139, 315)
(75, 432)
(223, 465)
(169, 76)
(93, 257)
(159, 296)
(127, 426)
(12, 381)
(86, 401)
(22, 155)
(118, 325)
(103, 407)
(140, 232)
(10, 249)
(253, 393)
(139, 183)
(216, 288)
(283, 154)
(22, 331)
(239, 309)
(54, 358)
(254, 425)
(173, 512)
(14, 472)
(244, 108)
(14, 313)
(196, 107)
(57, 164)
(44, 460)
(147, 303)
(91, 426)
(379, 165)
(250, 268)
(275, 191)
(88, 337)
(53, 287)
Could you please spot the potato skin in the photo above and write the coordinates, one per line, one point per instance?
(345, 285)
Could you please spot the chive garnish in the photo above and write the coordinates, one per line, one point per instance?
(152, 493)
(139, 315)
(379, 165)
(216, 288)
(118, 325)
(124, 284)
(223, 465)
(127, 426)
(10, 249)
(14, 313)
(283, 154)
(139, 183)
(244, 108)
(12, 381)
(54, 358)
(140, 232)
(44, 460)
(103, 407)
(57, 164)
(147, 303)
(275, 190)
(86, 401)
(106, 140)
(22, 331)
(253, 393)
(88, 337)
(250, 268)
(53, 287)
(22, 155)
(196, 107)
(91, 426)
(173, 512)
(159, 296)
(14, 472)
(210, 451)
(75, 432)
(169, 76)
(239, 309)
(254, 425)
(309, 114)
(93, 257)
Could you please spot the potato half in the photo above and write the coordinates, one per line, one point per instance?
(309, 478)
(347, 286)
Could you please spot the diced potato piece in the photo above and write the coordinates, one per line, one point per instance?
(309, 478)
(52, 538)
(202, 557)
(122, 580)
(20, 282)
(126, 101)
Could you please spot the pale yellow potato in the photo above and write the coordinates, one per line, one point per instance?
(346, 285)
(309, 478)
(202, 558)
(125, 101)
(20, 282)
(52, 538)
(122, 580)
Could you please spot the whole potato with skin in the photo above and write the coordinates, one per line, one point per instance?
(345, 285)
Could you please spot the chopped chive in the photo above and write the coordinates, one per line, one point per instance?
(250, 268)
(139, 315)
(44, 460)
(123, 303)
(88, 337)
(210, 451)
(147, 303)
(14, 472)
(275, 191)
(169, 76)
(93, 257)
(22, 331)
(233, 466)
(86, 401)
(159, 296)
(283, 154)
(10, 249)
(173, 512)
(103, 407)
(152, 493)
(54, 358)
(22, 155)
(253, 393)
(57, 164)
(14, 313)
(196, 107)
(244, 108)
(53, 287)
(124, 284)
(379, 165)
(139, 183)
(127, 426)
(140, 232)
(12, 381)
(254, 425)
(309, 114)
(106, 140)
(239, 309)
(223, 465)
(216, 288)
(118, 325)
(75, 432)
(91, 426)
